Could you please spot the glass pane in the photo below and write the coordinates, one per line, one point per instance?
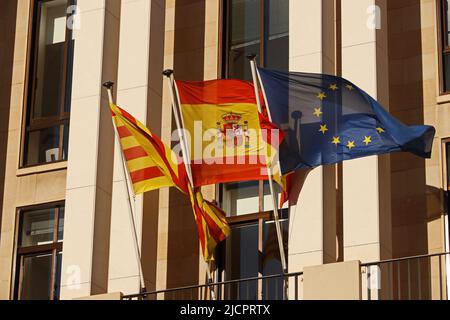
(277, 34)
(271, 261)
(50, 58)
(446, 61)
(447, 20)
(245, 21)
(68, 91)
(242, 261)
(65, 142)
(58, 275)
(241, 198)
(43, 146)
(61, 224)
(245, 35)
(36, 277)
(448, 166)
(37, 227)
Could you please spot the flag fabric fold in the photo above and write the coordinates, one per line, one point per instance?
(152, 165)
(327, 120)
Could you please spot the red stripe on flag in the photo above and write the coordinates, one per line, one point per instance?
(134, 153)
(146, 174)
(128, 116)
(158, 145)
(216, 92)
(199, 222)
(214, 229)
(123, 132)
(206, 174)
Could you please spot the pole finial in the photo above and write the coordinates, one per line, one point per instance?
(251, 56)
(108, 84)
(167, 72)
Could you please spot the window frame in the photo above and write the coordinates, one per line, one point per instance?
(29, 122)
(445, 168)
(226, 30)
(54, 248)
(443, 45)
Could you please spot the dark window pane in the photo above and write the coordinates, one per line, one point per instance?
(61, 224)
(65, 142)
(447, 21)
(277, 34)
(43, 146)
(58, 275)
(277, 53)
(239, 67)
(245, 36)
(242, 261)
(271, 262)
(446, 60)
(37, 227)
(448, 166)
(245, 21)
(68, 97)
(50, 58)
(36, 277)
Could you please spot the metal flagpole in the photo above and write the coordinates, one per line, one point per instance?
(109, 85)
(269, 168)
(184, 145)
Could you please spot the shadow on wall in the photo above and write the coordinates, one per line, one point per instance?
(414, 204)
(183, 245)
(7, 40)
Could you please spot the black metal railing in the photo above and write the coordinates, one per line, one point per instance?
(422, 277)
(274, 287)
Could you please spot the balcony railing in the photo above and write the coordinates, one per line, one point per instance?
(273, 287)
(421, 277)
(414, 278)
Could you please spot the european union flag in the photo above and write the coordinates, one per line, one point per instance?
(328, 119)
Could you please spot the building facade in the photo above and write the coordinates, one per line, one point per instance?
(65, 229)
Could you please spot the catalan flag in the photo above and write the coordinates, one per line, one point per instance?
(152, 165)
(211, 223)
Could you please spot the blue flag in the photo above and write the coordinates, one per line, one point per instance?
(328, 119)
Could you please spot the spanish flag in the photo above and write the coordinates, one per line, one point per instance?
(231, 140)
(227, 141)
(152, 165)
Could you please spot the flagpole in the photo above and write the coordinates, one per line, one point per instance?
(252, 60)
(184, 146)
(109, 85)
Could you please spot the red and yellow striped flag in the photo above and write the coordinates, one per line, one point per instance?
(211, 223)
(152, 165)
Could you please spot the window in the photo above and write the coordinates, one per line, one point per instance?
(50, 81)
(447, 147)
(444, 41)
(251, 251)
(39, 252)
(447, 170)
(256, 26)
(260, 27)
